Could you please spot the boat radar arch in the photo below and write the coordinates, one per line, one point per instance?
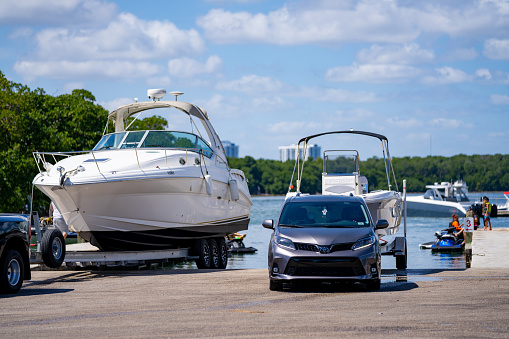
(156, 93)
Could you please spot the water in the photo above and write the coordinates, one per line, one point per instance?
(419, 230)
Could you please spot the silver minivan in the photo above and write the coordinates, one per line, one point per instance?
(325, 238)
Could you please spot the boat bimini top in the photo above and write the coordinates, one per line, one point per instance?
(304, 141)
(121, 114)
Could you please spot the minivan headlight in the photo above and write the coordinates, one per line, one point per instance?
(284, 242)
(364, 242)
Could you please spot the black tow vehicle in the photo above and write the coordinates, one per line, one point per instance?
(14, 252)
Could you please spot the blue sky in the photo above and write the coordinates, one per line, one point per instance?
(432, 76)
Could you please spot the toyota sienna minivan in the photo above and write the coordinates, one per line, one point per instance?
(324, 238)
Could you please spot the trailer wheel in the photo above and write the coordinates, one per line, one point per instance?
(53, 248)
(12, 271)
(401, 260)
(223, 253)
(203, 251)
(214, 253)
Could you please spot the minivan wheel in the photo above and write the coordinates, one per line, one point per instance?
(275, 285)
(12, 271)
(373, 285)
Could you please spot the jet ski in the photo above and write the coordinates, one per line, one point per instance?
(446, 241)
(235, 244)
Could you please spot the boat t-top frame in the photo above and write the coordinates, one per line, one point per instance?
(304, 141)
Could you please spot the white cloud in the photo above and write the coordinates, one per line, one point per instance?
(498, 99)
(450, 123)
(395, 54)
(85, 69)
(56, 12)
(125, 38)
(406, 124)
(252, 84)
(186, 67)
(497, 49)
(483, 73)
(356, 21)
(447, 75)
(116, 103)
(311, 24)
(372, 73)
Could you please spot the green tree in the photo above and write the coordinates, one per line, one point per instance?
(31, 120)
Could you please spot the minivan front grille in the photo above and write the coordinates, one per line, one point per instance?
(330, 267)
(315, 248)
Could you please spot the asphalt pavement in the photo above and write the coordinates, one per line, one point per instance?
(189, 303)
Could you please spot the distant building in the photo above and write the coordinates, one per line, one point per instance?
(231, 149)
(290, 152)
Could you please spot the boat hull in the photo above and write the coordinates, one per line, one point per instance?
(146, 214)
(417, 207)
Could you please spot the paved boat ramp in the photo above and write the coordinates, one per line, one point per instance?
(193, 303)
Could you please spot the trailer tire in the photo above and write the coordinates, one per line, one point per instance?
(12, 271)
(223, 253)
(53, 248)
(214, 253)
(203, 251)
(401, 260)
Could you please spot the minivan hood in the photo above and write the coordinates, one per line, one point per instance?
(325, 235)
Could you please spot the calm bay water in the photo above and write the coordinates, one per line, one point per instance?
(419, 230)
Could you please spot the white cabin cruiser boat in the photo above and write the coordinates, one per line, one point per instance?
(341, 176)
(146, 190)
(440, 200)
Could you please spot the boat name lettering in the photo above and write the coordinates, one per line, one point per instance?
(339, 181)
(171, 172)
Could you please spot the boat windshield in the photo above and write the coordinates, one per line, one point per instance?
(151, 139)
(324, 214)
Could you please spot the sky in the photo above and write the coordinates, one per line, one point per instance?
(432, 76)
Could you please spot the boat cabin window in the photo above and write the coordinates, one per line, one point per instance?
(164, 139)
(110, 141)
(428, 194)
(133, 139)
(340, 162)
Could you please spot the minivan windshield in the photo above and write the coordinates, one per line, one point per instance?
(324, 214)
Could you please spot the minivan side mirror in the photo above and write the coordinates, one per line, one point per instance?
(381, 223)
(268, 223)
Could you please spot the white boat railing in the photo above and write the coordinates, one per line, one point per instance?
(42, 158)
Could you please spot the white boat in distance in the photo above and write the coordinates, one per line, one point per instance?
(146, 190)
(503, 209)
(440, 200)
